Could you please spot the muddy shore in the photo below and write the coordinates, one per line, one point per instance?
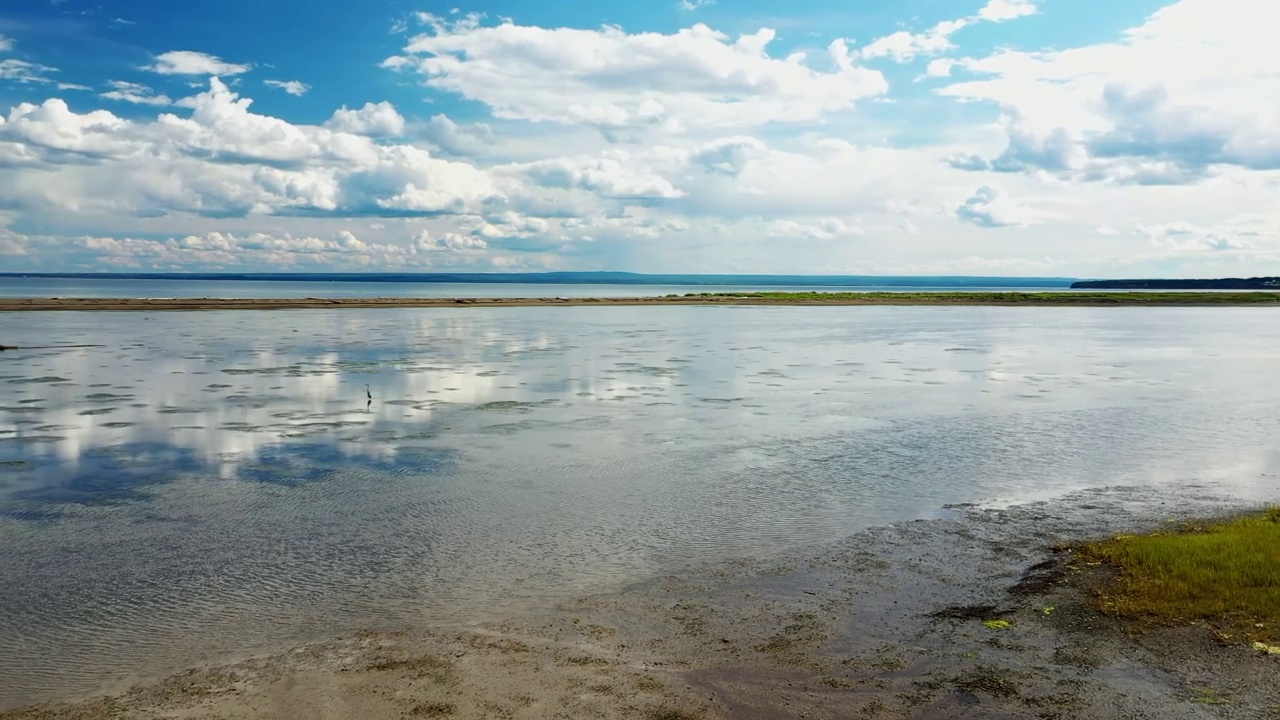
(974, 615)
(831, 299)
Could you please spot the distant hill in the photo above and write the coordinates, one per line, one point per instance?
(1257, 283)
(593, 278)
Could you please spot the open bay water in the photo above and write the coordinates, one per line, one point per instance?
(197, 486)
(108, 287)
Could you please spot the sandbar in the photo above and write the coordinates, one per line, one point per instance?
(1051, 299)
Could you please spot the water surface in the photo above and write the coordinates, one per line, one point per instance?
(196, 485)
(39, 287)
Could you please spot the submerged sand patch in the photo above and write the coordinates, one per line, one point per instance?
(969, 616)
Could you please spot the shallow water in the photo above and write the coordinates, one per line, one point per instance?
(197, 485)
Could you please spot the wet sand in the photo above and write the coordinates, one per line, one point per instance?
(889, 623)
(873, 298)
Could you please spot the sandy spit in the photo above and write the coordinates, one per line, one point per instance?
(888, 299)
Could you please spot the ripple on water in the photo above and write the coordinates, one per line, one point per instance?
(177, 410)
(253, 401)
(106, 397)
(263, 371)
(507, 405)
(510, 428)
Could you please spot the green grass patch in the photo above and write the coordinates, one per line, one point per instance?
(1006, 298)
(1226, 574)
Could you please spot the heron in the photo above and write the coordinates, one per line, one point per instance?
(367, 393)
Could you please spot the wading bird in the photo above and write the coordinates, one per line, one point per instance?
(367, 393)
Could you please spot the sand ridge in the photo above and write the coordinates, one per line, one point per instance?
(817, 298)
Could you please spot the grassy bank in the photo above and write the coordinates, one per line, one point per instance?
(1006, 298)
(1226, 574)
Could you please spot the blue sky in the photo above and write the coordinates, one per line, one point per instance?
(1019, 137)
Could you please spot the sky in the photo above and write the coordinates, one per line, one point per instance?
(1074, 138)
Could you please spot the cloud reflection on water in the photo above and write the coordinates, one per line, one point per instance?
(241, 489)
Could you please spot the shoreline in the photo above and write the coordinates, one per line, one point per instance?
(1000, 299)
(973, 615)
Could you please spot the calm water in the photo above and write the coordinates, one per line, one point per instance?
(203, 484)
(99, 287)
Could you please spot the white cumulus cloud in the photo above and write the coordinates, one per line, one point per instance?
(449, 242)
(374, 119)
(135, 93)
(617, 174)
(1001, 10)
(1189, 90)
(189, 62)
(694, 78)
(452, 138)
(988, 207)
(904, 46)
(24, 72)
(224, 159)
(293, 87)
(940, 67)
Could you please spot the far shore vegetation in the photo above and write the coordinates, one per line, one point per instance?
(1225, 574)
(1003, 297)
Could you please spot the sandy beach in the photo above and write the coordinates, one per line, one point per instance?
(979, 614)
